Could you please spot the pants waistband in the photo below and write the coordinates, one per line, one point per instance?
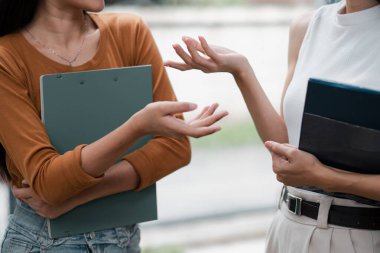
(27, 218)
(322, 210)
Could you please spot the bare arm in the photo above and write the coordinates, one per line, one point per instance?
(294, 167)
(270, 125)
(297, 34)
(118, 178)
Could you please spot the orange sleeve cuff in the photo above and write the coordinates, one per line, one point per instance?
(81, 179)
(141, 163)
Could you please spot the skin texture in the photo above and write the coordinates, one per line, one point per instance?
(59, 25)
(116, 179)
(291, 166)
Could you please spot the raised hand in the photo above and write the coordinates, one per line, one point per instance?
(160, 118)
(202, 56)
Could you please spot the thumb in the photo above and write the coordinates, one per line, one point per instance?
(177, 107)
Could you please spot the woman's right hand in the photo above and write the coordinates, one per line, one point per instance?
(29, 196)
(160, 118)
(208, 58)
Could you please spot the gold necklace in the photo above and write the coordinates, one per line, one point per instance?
(56, 53)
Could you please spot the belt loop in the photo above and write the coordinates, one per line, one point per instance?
(283, 192)
(323, 212)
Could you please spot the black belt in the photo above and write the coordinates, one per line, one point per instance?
(345, 216)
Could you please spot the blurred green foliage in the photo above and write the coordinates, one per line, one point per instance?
(170, 249)
(239, 133)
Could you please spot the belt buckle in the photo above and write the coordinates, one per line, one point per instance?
(296, 207)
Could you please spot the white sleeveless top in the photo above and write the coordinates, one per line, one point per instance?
(338, 47)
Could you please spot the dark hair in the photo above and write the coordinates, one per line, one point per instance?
(4, 174)
(16, 14)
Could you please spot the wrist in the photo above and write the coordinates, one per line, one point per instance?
(328, 178)
(243, 68)
(135, 125)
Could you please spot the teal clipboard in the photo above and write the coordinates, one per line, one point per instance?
(81, 107)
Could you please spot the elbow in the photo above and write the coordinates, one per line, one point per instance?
(59, 177)
(52, 190)
(49, 187)
(278, 134)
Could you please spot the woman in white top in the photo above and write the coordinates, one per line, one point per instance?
(338, 42)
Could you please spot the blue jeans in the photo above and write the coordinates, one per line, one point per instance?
(27, 232)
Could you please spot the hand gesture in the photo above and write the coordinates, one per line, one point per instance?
(294, 167)
(207, 58)
(160, 118)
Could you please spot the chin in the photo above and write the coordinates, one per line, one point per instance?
(95, 5)
(89, 5)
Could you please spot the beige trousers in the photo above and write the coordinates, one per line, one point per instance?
(290, 233)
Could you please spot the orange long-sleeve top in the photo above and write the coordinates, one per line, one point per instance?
(124, 41)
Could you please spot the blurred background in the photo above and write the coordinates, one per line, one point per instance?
(225, 199)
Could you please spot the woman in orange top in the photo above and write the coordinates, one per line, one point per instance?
(40, 37)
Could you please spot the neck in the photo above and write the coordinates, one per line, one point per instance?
(359, 5)
(60, 21)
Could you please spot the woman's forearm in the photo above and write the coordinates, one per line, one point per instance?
(270, 125)
(97, 157)
(120, 177)
(295, 167)
(363, 185)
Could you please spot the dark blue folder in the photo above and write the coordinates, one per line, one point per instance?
(341, 126)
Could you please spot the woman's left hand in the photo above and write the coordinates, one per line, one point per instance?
(27, 195)
(294, 167)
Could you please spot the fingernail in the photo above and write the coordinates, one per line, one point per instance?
(268, 144)
(192, 106)
(217, 129)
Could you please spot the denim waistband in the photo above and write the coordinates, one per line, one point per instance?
(28, 223)
(27, 218)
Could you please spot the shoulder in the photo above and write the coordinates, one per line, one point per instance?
(7, 46)
(297, 33)
(7, 52)
(299, 26)
(10, 58)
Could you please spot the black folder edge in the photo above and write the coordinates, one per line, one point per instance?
(335, 84)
